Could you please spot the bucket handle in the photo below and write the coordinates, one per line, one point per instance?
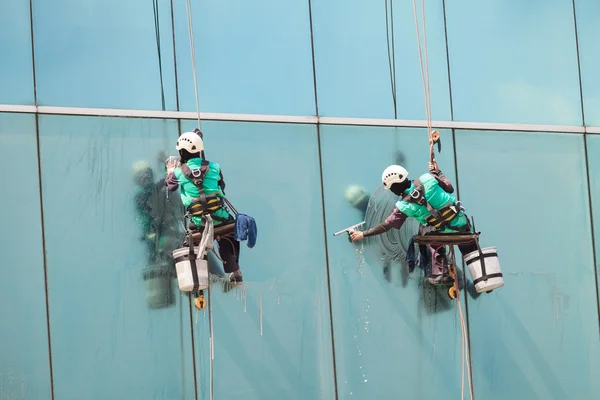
(481, 257)
(192, 259)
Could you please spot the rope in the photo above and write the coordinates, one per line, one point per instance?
(465, 354)
(392, 54)
(427, 99)
(424, 70)
(157, 34)
(188, 8)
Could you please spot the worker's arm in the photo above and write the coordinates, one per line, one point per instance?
(221, 181)
(444, 182)
(394, 220)
(171, 182)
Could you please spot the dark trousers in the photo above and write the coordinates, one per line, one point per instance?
(438, 255)
(229, 250)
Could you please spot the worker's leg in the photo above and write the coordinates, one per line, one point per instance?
(439, 270)
(229, 251)
(438, 256)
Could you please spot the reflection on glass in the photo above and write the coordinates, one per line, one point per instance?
(367, 305)
(160, 219)
(100, 320)
(359, 198)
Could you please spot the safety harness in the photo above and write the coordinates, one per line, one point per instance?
(439, 219)
(205, 204)
(204, 207)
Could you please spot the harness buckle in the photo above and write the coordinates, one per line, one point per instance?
(417, 196)
(197, 173)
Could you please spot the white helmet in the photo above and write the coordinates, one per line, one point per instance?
(190, 141)
(393, 174)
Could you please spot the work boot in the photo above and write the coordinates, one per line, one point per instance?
(236, 276)
(442, 279)
(234, 279)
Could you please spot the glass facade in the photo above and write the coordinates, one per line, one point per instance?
(305, 102)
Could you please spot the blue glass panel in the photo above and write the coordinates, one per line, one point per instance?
(528, 194)
(353, 65)
(393, 333)
(24, 364)
(251, 57)
(593, 154)
(104, 54)
(16, 68)
(271, 173)
(588, 29)
(120, 328)
(513, 61)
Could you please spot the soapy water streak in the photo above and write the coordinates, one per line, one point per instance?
(393, 244)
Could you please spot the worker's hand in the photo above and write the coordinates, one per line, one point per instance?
(356, 235)
(171, 163)
(433, 166)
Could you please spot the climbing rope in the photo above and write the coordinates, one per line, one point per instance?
(424, 72)
(188, 7)
(389, 23)
(158, 49)
(465, 354)
(433, 137)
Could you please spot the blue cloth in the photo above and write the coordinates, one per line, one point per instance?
(245, 228)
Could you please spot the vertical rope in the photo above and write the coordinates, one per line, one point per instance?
(429, 123)
(157, 34)
(212, 341)
(193, 54)
(465, 355)
(389, 23)
(424, 70)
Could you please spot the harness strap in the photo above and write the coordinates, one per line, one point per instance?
(192, 258)
(206, 204)
(439, 219)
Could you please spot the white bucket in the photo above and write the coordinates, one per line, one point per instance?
(492, 269)
(183, 266)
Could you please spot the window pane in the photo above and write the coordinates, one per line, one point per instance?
(588, 14)
(528, 194)
(251, 57)
(24, 365)
(393, 332)
(100, 57)
(513, 61)
(353, 67)
(120, 328)
(593, 148)
(16, 75)
(271, 172)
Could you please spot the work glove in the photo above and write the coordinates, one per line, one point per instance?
(171, 163)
